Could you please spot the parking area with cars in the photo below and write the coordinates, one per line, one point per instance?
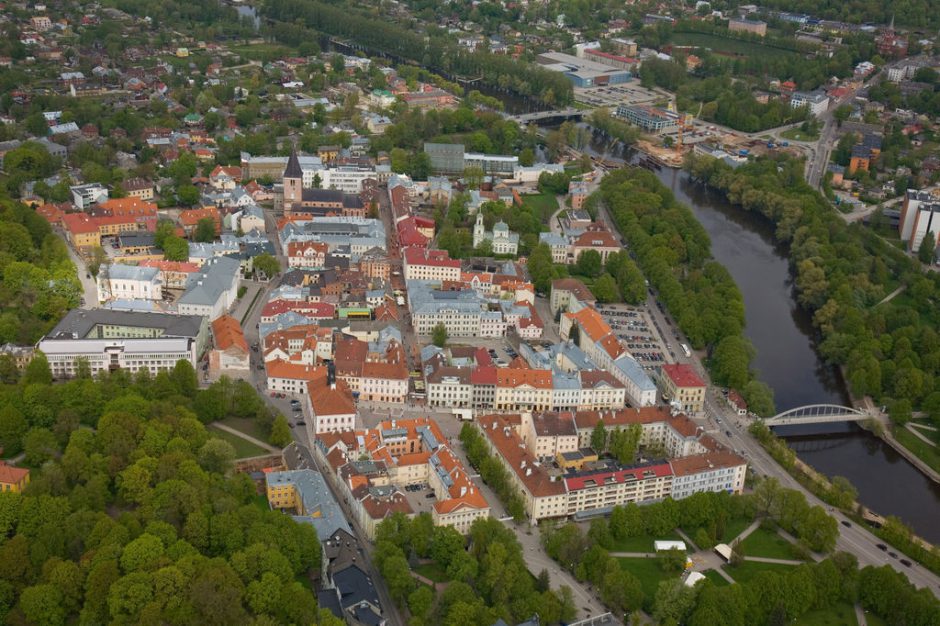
(639, 332)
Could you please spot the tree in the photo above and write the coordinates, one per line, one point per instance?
(42, 604)
(927, 249)
(188, 195)
(589, 263)
(439, 335)
(164, 230)
(97, 259)
(526, 157)
(599, 437)
(12, 428)
(842, 113)
(267, 265)
(605, 288)
(205, 230)
(673, 601)
(280, 432)
(216, 455)
(175, 248)
(39, 446)
(37, 372)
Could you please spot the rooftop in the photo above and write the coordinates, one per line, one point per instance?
(80, 323)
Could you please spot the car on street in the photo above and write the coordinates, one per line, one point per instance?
(846, 523)
(882, 547)
(892, 555)
(905, 563)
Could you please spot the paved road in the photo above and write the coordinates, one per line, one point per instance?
(89, 287)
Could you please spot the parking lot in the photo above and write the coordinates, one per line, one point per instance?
(635, 327)
(613, 95)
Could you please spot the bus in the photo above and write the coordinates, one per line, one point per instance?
(685, 350)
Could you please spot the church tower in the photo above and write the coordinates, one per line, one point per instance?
(479, 230)
(293, 181)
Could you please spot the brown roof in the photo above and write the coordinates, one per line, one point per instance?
(331, 400)
(621, 417)
(228, 333)
(683, 425)
(12, 475)
(591, 323)
(283, 369)
(380, 508)
(390, 371)
(554, 425)
(704, 462)
(511, 377)
(596, 378)
(576, 287)
(513, 450)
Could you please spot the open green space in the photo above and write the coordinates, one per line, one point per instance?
(768, 544)
(544, 203)
(727, 45)
(648, 572)
(431, 571)
(261, 51)
(923, 450)
(841, 614)
(795, 134)
(874, 620)
(715, 577)
(248, 425)
(243, 448)
(733, 528)
(747, 570)
(641, 543)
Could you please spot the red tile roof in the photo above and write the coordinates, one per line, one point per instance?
(10, 475)
(228, 332)
(622, 475)
(682, 375)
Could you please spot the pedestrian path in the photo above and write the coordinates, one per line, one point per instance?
(914, 431)
(633, 555)
(860, 615)
(746, 532)
(686, 538)
(246, 437)
(764, 559)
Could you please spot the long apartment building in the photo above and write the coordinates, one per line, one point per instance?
(920, 215)
(109, 340)
(548, 460)
(373, 466)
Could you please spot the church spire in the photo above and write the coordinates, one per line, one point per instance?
(293, 166)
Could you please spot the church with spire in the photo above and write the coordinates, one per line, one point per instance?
(313, 201)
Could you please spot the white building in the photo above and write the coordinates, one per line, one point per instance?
(105, 355)
(434, 265)
(85, 196)
(712, 471)
(920, 214)
(129, 282)
(503, 240)
(213, 289)
(816, 101)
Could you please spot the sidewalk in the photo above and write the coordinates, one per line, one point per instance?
(238, 433)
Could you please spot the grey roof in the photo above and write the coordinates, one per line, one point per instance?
(293, 169)
(320, 509)
(635, 372)
(137, 240)
(210, 282)
(553, 239)
(120, 271)
(79, 323)
(65, 345)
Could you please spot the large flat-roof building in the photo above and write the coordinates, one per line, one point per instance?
(110, 340)
(742, 25)
(650, 119)
(584, 72)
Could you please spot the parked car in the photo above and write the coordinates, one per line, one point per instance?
(905, 563)
(882, 547)
(846, 524)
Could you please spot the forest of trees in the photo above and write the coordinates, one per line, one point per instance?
(38, 281)
(133, 515)
(890, 350)
(435, 52)
(674, 253)
(914, 13)
(485, 573)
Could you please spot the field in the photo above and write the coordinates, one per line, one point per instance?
(243, 448)
(649, 573)
(841, 614)
(716, 578)
(726, 45)
(642, 543)
(544, 203)
(795, 134)
(768, 544)
(431, 571)
(749, 569)
(925, 452)
(247, 425)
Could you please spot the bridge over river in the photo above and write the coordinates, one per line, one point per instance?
(818, 414)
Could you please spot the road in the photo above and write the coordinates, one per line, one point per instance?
(89, 286)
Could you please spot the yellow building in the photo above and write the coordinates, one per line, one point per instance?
(681, 384)
(575, 460)
(13, 478)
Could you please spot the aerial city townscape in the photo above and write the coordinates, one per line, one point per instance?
(470, 313)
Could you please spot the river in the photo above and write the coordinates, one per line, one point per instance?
(787, 360)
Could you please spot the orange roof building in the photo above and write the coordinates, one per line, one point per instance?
(13, 478)
(230, 355)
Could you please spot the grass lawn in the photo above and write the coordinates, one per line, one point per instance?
(243, 448)
(727, 45)
(796, 134)
(841, 614)
(924, 451)
(715, 577)
(261, 502)
(260, 50)
(734, 528)
(749, 569)
(431, 571)
(767, 543)
(544, 203)
(649, 574)
(874, 620)
(643, 543)
(248, 425)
